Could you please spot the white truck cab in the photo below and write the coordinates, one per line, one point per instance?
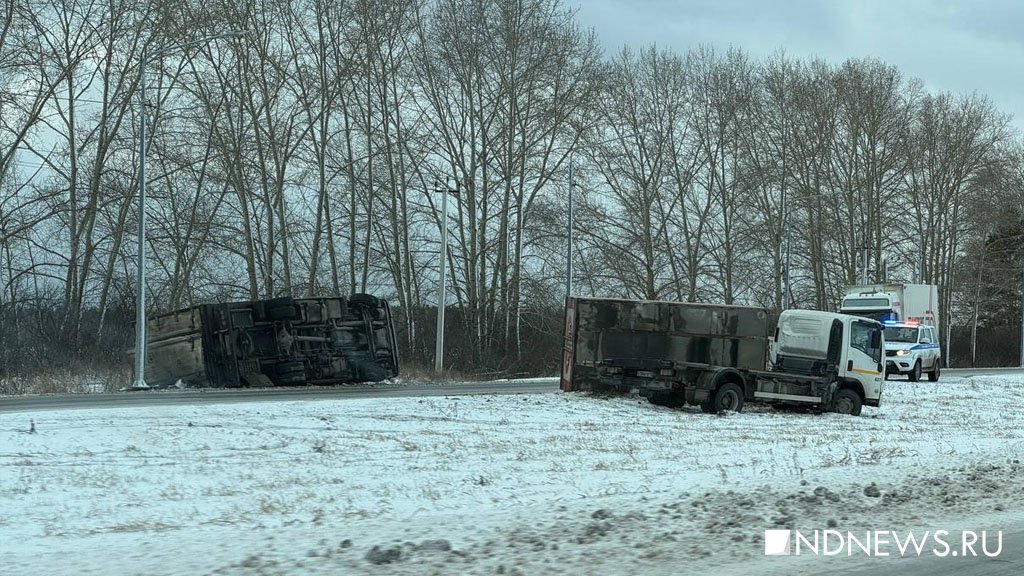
(848, 348)
(912, 349)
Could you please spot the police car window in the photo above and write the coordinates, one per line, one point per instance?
(896, 334)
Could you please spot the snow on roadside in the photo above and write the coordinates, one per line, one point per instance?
(546, 483)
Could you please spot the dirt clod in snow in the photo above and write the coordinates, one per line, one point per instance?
(641, 506)
(378, 555)
(440, 545)
(872, 491)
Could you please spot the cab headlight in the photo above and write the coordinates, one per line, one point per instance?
(903, 352)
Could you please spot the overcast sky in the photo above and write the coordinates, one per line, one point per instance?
(960, 46)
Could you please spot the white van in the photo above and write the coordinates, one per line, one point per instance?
(912, 349)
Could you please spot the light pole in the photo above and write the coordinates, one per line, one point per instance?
(569, 220)
(864, 261)
(140, 279)
(568, 235)
(443, 281)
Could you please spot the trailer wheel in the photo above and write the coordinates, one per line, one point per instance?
(368, 300)
(596, 388)
(728, 396)
(915, 373)
(667, 399)
(286, 312)
(373, 372)
(291, 372)
(847, 402)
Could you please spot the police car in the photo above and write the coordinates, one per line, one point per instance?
(912, 349)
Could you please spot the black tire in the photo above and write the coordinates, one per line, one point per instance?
(287, 312)
(368, 300)
(293, 366)
(708, 406)
(915, 374)
(933, 376)
(291, 372)
(373, 372)
(278, 302)
(597, 388)
(669, 399)
(728, 396)
(847, 402)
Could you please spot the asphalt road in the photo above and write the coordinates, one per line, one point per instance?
(980, 371)
(210, 396)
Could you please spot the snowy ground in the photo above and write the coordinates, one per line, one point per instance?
(531, 484)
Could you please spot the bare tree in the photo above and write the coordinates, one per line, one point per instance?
(500, 81)
(953, 141)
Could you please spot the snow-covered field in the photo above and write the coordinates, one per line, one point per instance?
(531, 484)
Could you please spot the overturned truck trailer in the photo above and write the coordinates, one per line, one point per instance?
(276, 342)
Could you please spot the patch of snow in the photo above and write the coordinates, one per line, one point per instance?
(543, 483)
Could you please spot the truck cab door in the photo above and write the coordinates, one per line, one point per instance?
(864, 356)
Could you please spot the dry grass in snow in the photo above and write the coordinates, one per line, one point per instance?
(547, 483)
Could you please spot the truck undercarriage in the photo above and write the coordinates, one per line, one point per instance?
(275, 342)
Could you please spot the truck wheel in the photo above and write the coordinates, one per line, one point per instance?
(847, 402)
(915, 373)
(729, 396)
(933, 376)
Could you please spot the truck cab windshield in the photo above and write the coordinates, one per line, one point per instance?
(896, 334)
(865, 303)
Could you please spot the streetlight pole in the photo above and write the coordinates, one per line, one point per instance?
(568, 235)
(443, 283)
(140, 271)
(864, 262)
(140, 278)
